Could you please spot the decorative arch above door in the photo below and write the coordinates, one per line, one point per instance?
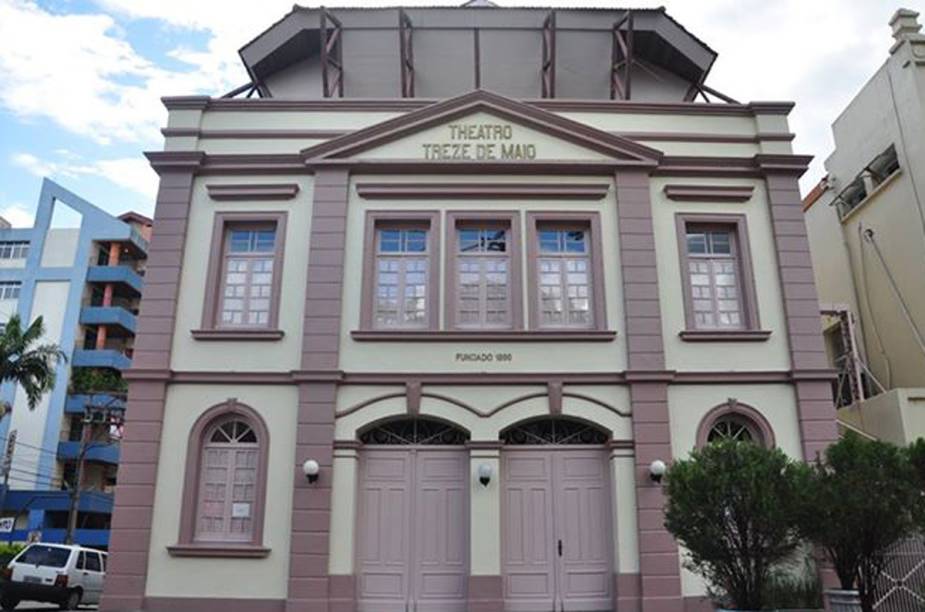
(554, 431)
(414, 430)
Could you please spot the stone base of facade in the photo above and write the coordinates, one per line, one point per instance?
(214, 604)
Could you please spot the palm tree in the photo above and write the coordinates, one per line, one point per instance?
(26, 363)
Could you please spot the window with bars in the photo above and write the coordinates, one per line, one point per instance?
(228, 482)
(14, 249)
(402, 278)
(564, 277)
(9, 290)
(483, 276)
(713, 274)
(249, 262)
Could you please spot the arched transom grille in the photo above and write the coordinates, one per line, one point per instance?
(414, 431)
(553, 431)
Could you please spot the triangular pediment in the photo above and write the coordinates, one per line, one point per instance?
(482, 127)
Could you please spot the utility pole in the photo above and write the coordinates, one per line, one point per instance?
(7, 465)
(94, 415)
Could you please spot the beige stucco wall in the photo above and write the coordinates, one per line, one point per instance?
(768, 355)
(282, 355)
(206, 577)
(896, 416)
(687, 406)
(440, 356)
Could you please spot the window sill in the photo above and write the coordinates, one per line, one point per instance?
(532, 335)
(237, 334)
(724, 336)
(219, 549)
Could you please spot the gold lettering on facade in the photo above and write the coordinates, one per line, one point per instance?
(479, 142)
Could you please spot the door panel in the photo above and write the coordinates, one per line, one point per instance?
(583, 523)
(384, 531)
(553, 496)
(412, 542)
(529, 571)
(441, 525)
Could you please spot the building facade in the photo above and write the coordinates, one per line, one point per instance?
(866, 227)
(80, 269)
(409, 344)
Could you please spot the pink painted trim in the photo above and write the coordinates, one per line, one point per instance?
(700, 335)
(510, 220)
(739, 225)
(429, 219)
(211, 604)
(476, 190)
(737, 408)
(237, 334)
(532, 335)
(252, 191)
(189, 505)
(590, 221)
(709, 193)
(223, 222)
(218, 550)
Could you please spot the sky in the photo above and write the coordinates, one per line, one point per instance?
(81, 80)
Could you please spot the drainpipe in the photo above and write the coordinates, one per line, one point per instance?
(107, 295)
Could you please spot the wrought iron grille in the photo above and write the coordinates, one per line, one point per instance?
(901, 587)
(553, 431)
(732, 428)
(414, 431)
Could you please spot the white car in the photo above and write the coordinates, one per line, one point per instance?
(67, 575)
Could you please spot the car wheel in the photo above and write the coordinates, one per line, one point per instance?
(72, 601)
(8, 603)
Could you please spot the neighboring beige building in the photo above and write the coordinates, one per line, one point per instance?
(866, 226)
(418, 324)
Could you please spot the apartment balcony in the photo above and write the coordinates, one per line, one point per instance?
(78, 403)
(114, 317)
(896, 416)
(105, 358)
(70, 451)
(118, 275)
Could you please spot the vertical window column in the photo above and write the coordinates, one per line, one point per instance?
(402, 276)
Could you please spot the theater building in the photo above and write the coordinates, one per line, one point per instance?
(482, 266)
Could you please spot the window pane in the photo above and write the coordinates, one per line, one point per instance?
(549, 241)
(239, 241)
(575, 242)
(494, 241)
(264, 241)
(696, 243)
(415, 241)
(720, 243)
(389, 241)
(468, 240)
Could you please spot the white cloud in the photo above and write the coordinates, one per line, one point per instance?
(132, 172)
(18, 215)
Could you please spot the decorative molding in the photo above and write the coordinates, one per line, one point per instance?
(480, 378)
(252, 191)
(554, 392)
(175, 161)
(253, 134)
(783, 163)
(473, 190)
(237, 334)
(229, 551)
(709, 193)
(697, 335)
(484, 336)
(734, 407)
(409, 104)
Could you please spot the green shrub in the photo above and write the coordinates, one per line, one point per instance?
(733, 506)
(96, 380)
(861, 500)
(795, 588)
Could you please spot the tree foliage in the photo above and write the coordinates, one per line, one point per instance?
(733, 505)
(27, 362)
(859, 503)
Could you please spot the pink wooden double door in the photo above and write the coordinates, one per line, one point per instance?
(556, 530)
(413, 532)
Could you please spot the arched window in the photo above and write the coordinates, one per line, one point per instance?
(225, 484)
(553, 430)
(415, 430)
(227, 481)
(735, 421)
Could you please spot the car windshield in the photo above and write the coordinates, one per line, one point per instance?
(51, 556)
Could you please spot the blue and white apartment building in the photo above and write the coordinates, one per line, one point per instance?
(81, 269)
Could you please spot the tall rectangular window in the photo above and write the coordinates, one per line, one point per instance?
(483, 276)
(564, 277)
(247, 276)
(402, 276)
(14, 249)
(713, 273)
